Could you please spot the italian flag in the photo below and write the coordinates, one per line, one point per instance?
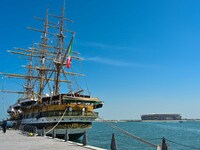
(69, 58)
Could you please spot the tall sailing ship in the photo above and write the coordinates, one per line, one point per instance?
(48, 70)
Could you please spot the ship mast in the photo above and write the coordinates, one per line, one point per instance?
(29, 87)
(45, 54)
(62, 52)
(43, 70)
(58, 63)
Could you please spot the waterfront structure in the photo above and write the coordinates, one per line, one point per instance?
(161, 117)
(52, 98)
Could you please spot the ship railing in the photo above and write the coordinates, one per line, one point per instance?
(67, 113)
(81, 113)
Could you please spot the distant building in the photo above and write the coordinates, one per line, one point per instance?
(161, 117)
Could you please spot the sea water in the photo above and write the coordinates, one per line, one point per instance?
(180, 136)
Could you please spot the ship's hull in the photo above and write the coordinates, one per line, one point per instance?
(74, 134)
(55, 126)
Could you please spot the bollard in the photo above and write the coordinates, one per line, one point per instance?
(23, 130)
(66, 136)
(84, 139)
(113, 145)
(43, 132)
(53, 134)
(163, 145)
(35, 130)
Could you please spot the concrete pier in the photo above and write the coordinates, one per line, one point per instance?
(15, 140)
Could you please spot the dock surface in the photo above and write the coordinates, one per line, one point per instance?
(15, 140)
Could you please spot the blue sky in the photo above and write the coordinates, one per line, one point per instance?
(140, 56)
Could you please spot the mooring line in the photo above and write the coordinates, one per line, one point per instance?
(57, 122)
(127, 133)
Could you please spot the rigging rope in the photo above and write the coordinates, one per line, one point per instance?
(77, 86)
(57, 122)
(68, 84)
(85, 79)
(183, 144)
(81, 69)
(129, 134)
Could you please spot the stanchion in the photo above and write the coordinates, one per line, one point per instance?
(43, 132)
(35, 130)
(66, 136)
(84, 139)
(53, 134)
(163, 145)
(113, 145)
